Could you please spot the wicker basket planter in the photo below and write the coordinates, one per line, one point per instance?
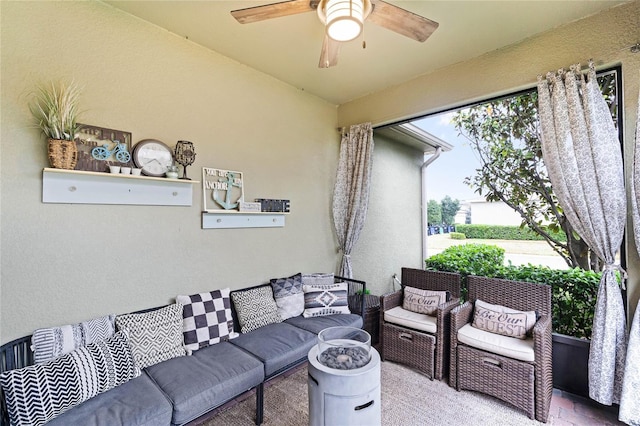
(63, 154)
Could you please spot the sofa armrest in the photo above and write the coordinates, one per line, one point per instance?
(355, 294)
(13, 355)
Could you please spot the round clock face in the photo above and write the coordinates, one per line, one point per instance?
(153, 157)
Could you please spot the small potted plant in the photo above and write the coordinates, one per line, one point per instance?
(55, 109)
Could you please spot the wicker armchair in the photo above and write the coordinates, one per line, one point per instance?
(527, 385)
(427, 352)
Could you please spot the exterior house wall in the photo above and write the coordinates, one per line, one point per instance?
(493, 213)
(391, 237)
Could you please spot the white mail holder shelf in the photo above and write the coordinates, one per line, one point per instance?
(225, 219)
(80, 187)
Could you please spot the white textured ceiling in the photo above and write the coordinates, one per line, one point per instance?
(288, 48)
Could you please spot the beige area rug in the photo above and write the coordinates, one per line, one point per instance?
(408, 398)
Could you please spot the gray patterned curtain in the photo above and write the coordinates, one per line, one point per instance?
(351, 193)
(582, 153)
(629, 407)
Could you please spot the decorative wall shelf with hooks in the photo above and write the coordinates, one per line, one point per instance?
(225, 219)
(80, 187)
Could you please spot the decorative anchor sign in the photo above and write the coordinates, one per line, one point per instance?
(224, 187)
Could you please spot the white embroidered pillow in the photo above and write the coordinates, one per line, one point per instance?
(50, 343)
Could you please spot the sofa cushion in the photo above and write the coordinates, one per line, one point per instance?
(40, 392)
(325, 299)
(502, 320)
(400, 316)
(206, 318)
(49, 343)
(289, 296)
(497, 343)
(317, 324)
(255, 307)
(422, 301)
(138, 402)
(208, 378)
(277, 345)
(155, 336)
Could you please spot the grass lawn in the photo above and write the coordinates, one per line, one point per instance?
(518, 252)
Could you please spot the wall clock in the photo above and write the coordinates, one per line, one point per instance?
(153, 157)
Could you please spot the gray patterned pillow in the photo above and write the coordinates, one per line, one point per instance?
(318, 279)
(155, 336)
(322, 300)
(255, 308)
(50, 343)
(38, 393)
(289, 296)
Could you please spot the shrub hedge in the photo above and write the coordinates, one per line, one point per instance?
(574, 291)
(457, 236)
(497, 232)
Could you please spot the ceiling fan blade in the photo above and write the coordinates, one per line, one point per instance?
(402, 21)
(274, 10)
(329, 53)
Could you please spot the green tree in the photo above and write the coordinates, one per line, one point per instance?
(449, 209)
(434, 213)
(505, 136)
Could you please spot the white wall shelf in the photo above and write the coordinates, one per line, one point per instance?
(225, 219)
(80, 187)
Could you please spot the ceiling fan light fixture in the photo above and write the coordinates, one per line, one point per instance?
(344, 19)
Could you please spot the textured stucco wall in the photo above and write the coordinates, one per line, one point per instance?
(67, 263)
(391, 237)
(605, 37)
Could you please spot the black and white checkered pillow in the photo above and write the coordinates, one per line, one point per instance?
(207, 318)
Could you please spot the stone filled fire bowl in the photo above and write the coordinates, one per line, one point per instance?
(344, 348)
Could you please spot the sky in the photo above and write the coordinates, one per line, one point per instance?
(445, 176)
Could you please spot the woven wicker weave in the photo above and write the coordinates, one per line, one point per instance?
(62, 154)
(526, 385)
(417, 349)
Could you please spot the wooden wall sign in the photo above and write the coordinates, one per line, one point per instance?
(90, 137)
(221, 189)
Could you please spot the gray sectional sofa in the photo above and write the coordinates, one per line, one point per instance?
(182, 389)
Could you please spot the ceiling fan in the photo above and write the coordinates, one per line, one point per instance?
(343, 20)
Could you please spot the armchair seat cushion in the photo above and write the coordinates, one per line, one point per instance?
(496, 343)
(405, 318)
